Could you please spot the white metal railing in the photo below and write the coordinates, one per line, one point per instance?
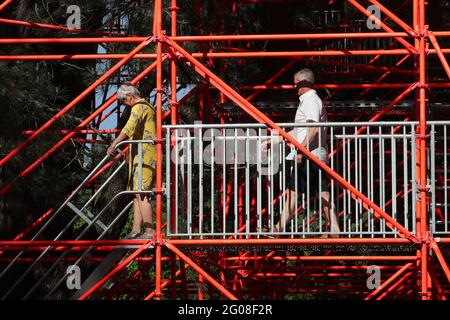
(223, 185)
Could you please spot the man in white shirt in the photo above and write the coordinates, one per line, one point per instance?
(314, 139)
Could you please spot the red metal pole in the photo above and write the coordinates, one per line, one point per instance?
(441, 258)
(278, 74)
(194, 266)
(383, 76)
(5, 4)
(403, 279)
(389, 281)
(393, 17)
(224, 55)
(294, 241)
(159, 150)
(74, 102)
(439, 53)
(50, 26)
(405, 43)
(422, 199)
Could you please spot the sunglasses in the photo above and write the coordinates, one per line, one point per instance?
(303, 84)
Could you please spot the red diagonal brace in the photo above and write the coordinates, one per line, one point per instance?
(440, 258)
(389, 281)
(113, 272)
(5, 4)
(197, 268)
(439, 53)
(393, 17)
(262, 118)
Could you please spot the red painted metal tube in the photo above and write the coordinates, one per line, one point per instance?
(389, 281)
(394, 286)
(262, 37)
(157, 17)
(164, 284)
(422, 223)
(61, 142)
(197, 268)
(405, 43)
(278, 74)
(51, 26)
(344, 258)
(69, 243)
(111, 274)
(439, 53)
(336, 267)
(339, 86)
(224, 55)
(259, 116)
(81, 131)
(440, 258)
(74, 102)
(312, 241)
(215, 38)
(437, 285)
(5, 4)
(384, 75)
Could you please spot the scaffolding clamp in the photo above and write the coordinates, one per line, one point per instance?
(425, 86)
(158, 141)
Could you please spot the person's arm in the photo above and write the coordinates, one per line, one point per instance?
(127, 131)
(111, 149)
(312, 111)
(276, 139)
(312, 133)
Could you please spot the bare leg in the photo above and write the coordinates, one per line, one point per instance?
(137, 217)
(146, 213)
(332, 218)
(288, 211)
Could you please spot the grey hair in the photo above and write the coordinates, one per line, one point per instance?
(305, 75)
(127, 88)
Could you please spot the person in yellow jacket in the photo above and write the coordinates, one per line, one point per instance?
(140, 126)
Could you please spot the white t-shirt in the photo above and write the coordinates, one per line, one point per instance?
(311, 109)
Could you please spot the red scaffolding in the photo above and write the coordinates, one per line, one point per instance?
(413, 276)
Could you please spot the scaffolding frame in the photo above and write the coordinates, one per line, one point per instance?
(168, 47)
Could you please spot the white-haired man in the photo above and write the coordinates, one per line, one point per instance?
(310, 109)
(140, 126)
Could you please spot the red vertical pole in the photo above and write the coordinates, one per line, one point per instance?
(422, 205)
(157, 16)
(201, 284)
(174, 111)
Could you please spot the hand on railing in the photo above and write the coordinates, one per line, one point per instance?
(265, 145)
(112, 151)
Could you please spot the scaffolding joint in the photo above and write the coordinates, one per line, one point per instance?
(425, 86)
(174, 8)
(160, 37)
(158, 141)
